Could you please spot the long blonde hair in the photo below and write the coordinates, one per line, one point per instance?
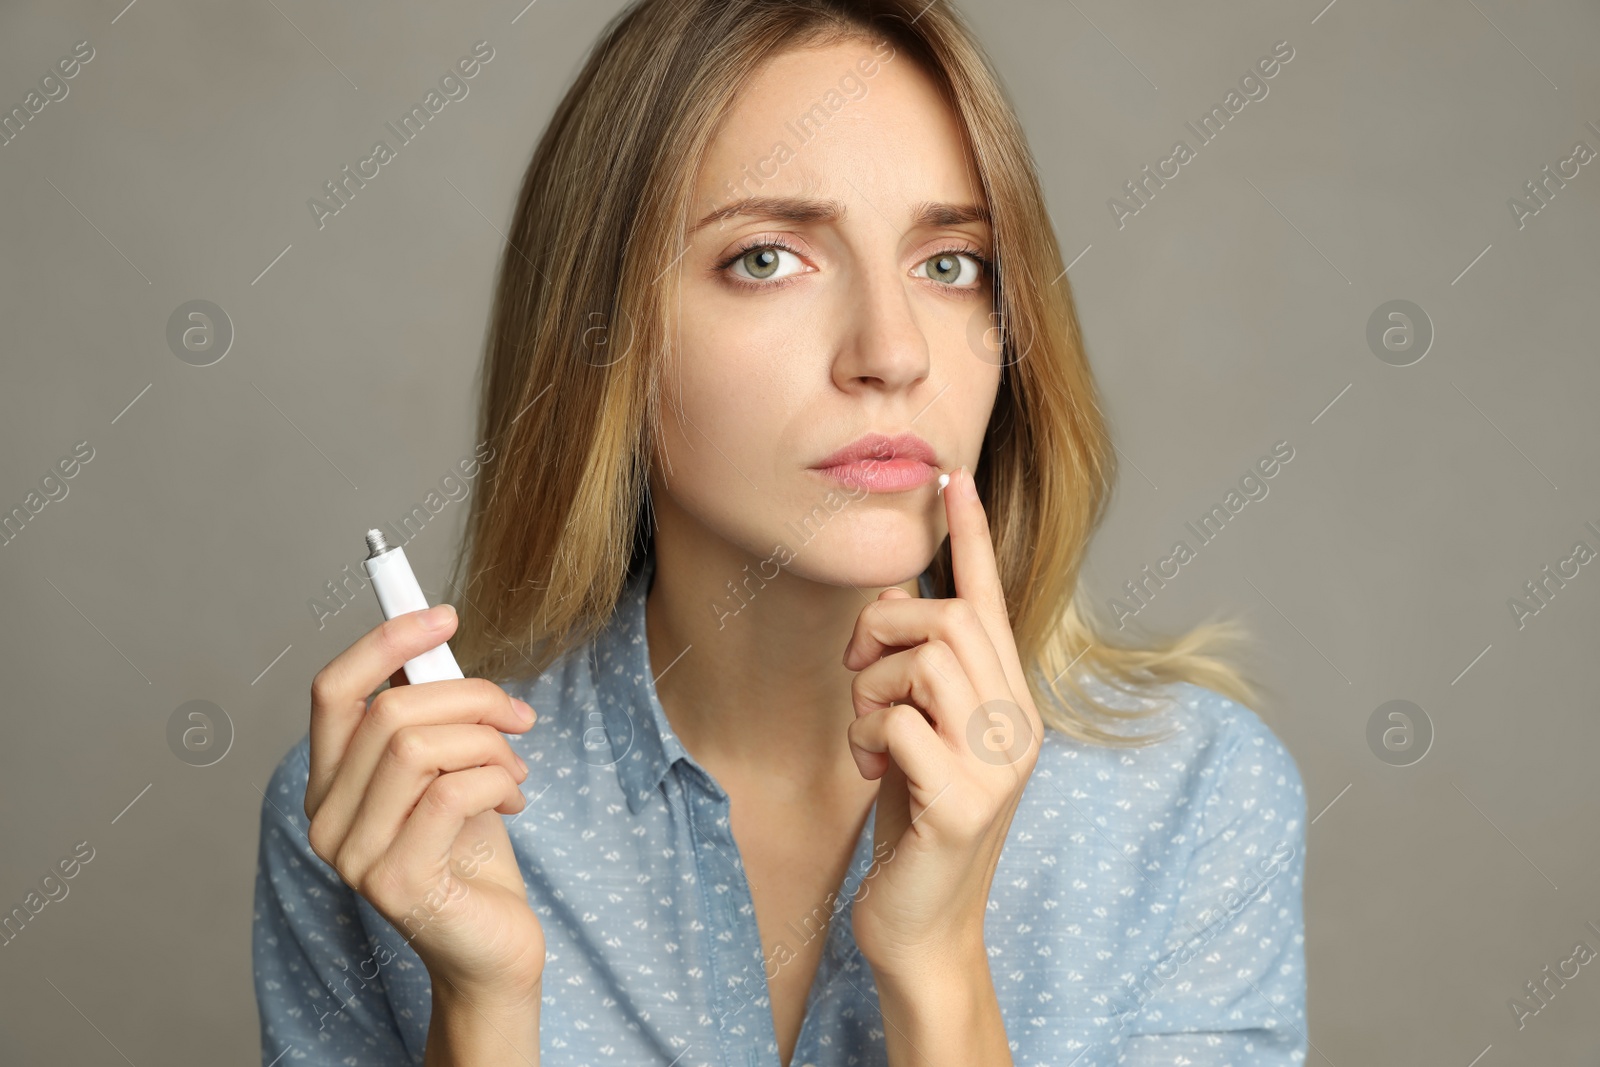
(572, 372)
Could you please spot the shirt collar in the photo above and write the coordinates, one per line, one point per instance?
(642, 744)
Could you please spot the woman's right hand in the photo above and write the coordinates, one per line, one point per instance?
(405, 797)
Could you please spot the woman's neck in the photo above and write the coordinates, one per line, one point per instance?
(752, 681)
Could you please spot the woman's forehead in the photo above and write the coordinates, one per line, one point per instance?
(840, 122)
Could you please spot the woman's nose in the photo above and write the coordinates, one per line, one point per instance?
(881, 341)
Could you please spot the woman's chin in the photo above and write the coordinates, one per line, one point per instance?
(864, 563)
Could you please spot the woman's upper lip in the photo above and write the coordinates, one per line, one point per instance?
(879, 446)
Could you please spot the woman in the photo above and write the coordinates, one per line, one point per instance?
(831, 765)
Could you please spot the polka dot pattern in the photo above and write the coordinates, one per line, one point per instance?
(1146, 910)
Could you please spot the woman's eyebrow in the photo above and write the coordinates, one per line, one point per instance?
(796, 209)
(938, 213)
(801, 210)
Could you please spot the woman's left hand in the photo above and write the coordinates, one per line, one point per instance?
(945, 719)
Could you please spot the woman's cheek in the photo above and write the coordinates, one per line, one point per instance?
(747, 365)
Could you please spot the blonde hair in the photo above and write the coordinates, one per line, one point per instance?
(572, 373)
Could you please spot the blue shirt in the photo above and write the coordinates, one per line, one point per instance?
(1146, 909)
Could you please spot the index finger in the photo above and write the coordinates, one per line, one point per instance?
(976, 575)
(339, 691)
(973, 568)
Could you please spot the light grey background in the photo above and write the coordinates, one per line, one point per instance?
(1229, 314)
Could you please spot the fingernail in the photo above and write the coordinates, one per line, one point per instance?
(524, 766)
(969, 487)
(437, 617)
(524, 709)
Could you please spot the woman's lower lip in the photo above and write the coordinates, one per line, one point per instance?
(882, 475)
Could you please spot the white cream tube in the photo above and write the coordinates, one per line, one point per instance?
(398, 593)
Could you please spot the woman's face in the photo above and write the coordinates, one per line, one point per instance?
(850, 296)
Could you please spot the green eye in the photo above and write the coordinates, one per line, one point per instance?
(760, 262)
(765, 262)
(953, 268)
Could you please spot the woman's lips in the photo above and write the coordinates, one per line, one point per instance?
(882, 475)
